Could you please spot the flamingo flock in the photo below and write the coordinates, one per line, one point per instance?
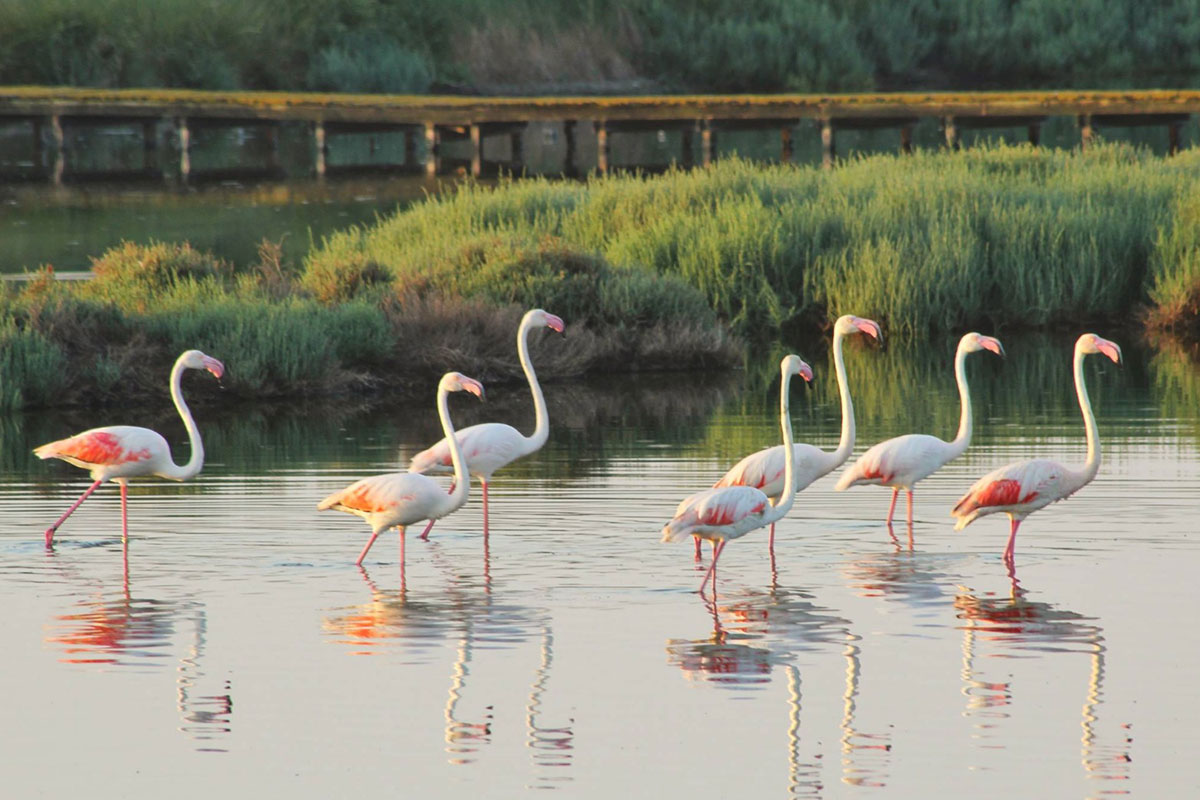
(757, 492)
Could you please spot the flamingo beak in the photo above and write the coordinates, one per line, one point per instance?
(555, 324)
(1110, 349)
(806, 372)
(993, 344)
(473, 386)
(215, 367)
(869, 327)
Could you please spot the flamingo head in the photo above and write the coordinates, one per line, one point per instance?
(852, 324)
(194, 359)
(539, 317)
(457, 382)
(974, 342)
(1091, 343)
(794, 365)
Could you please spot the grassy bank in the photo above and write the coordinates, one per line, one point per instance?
(523, 46)
(991, 238)
(112, 339)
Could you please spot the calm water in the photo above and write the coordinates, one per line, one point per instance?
(244, 649)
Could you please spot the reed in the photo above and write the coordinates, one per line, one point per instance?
(937, 241)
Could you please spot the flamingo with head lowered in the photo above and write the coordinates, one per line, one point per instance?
(491, 445)
(120, 452)
(764, 470)
(903, 461)
(730, 512)
(399, 499)
(1024, 487)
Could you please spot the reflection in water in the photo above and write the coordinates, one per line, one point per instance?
(791, 624)
(136, 632)
(552, 746)
(1013, 625)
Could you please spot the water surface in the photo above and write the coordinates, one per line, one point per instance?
(239, 646)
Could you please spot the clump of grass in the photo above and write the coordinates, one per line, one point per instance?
(1175, 291)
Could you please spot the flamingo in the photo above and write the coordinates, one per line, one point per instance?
(399, 499)
(730, 512)
(1021, 488)
(903, 461)
(120, 452)
(764, 469)
(492, 445)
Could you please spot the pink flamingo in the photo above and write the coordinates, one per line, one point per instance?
(730, 512)
(399, 499)
(904, 460)
(764, 469)
(491, 445)
(120, 452)
(1022, 488)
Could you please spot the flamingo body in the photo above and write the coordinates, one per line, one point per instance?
(901, 462)
(120, 452)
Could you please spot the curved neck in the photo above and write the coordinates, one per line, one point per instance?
(196, 462)
(964, 395)
(784, 504)
(1092, 466)
(846, 444)
(541, 428)
(456, 498)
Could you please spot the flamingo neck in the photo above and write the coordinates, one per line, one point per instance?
(784, 503)
(173, 471)
(846, 444)
(462, 480)
(541, 428)
(959, 445)
(1092, 465)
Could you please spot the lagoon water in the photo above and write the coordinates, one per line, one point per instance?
(240, 650)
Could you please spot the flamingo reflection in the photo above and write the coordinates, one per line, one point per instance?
(1016, 623)
(552, 746)
(138, 632)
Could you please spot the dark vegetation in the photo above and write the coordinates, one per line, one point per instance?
(536, 46)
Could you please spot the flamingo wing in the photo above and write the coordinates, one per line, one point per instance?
(764, 470)
(904, 459)
(724, 507)
(1013, 487)
(397, 498)
(486, 448)
(123, 446)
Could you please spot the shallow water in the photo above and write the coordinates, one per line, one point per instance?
(240, 646)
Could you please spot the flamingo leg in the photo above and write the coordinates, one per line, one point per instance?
(1012, 540)
(910, 505)
(697, 559)
(50, 531)
(485, 506)
(892, 507)
(771, 540)
(718, 548)
(124, 511)
(424, 537)
(403, 586)
(363, 554)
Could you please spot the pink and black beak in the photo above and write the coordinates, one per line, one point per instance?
(555, 324)
(869, 327)
(805, 372)
(1109, 348)
(993, 344)
(214, 366)
(473, 386)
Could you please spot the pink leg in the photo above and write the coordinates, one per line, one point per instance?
(697, 538)
(1012, 540)
(424, 537)
(485, 507)
(403, 585)
(910, 509)
(363, 554)
(892, 507)
(771, 540)
(50, 531)
(718, 548)
(124, 511)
